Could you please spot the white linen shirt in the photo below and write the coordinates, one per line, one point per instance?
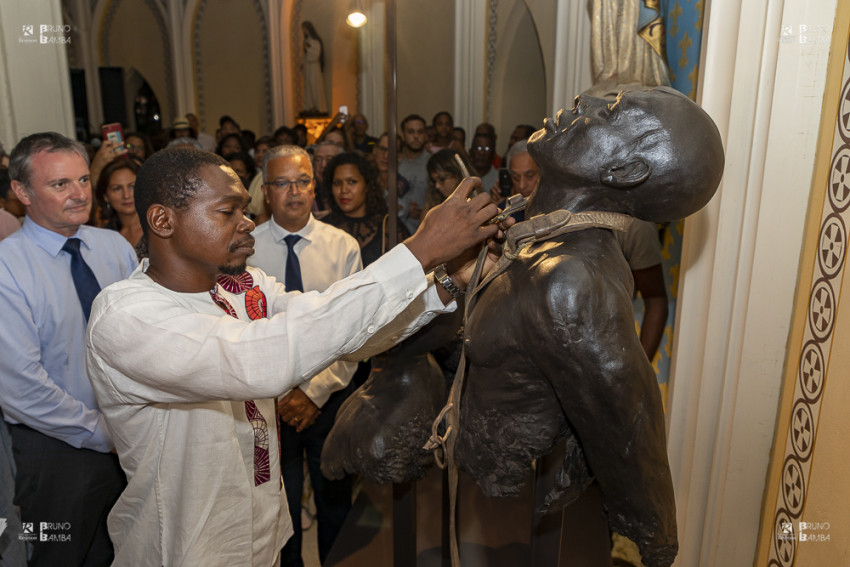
(326, 254)
(170, 371)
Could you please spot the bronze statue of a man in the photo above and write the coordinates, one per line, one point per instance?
(551, 342)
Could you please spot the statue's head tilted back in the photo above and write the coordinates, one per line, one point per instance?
(650, 153)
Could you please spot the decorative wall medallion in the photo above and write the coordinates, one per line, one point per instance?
(833, 245)
(793, 485)
(802, 431)
(811, 371)
(839, 180)
(822, 309)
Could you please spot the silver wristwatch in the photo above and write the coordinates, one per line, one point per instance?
(442, 276)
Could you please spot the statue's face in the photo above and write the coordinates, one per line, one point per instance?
(581, 142)
(652, 153)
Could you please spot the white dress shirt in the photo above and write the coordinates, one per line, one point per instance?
(170, 372)
(326, 255)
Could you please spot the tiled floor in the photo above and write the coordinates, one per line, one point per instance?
(309, 547)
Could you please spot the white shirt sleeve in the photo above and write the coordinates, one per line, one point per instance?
(338, 375)
(147, 344)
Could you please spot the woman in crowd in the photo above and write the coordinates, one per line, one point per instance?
(443, 123)
(243, 165)
(357, 204)
(114, 192)
(230, 144)
(445, 175)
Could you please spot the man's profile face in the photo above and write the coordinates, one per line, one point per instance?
(212, 235)
(481, 153)
(414, 135)
(60, 197)
(290, 205)
(322, 157)
(524, 173)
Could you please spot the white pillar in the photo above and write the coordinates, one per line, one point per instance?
(181, 60)
(373, 99)
(572, 54)
(90, 61)
(739, 270)
(35, 86)
(470, 67)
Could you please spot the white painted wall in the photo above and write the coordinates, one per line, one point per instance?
(35, 87)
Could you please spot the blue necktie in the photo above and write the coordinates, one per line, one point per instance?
(293, 266)
(84, 279)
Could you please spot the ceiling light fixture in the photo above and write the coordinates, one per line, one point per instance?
(356, 18)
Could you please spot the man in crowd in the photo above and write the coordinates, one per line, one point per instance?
(207, 142)
(308, 255)
(50, 271)
(524, 172)
(520, 133)
(413, 167)
(481, 155)
(488, 129)
(358, 131)
(186, 369)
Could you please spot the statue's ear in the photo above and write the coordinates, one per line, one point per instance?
(627, 174)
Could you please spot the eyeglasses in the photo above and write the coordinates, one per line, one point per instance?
(301, 185)
(481, 148)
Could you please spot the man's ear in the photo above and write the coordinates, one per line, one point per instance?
(160, 220)
(21, 192)
(626, 175)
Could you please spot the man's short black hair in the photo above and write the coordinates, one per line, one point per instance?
(410, 118)
(5, 183)
(225, 119)
(171, 177)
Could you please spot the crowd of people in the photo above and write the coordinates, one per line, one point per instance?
(187, 214)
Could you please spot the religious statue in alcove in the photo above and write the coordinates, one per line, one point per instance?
(312, 67)
(550, 346)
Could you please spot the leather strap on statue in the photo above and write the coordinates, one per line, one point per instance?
(518, 237)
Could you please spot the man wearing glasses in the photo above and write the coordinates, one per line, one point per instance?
(481, 154)
(307, 255)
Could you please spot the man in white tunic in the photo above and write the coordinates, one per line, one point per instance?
(185, 369)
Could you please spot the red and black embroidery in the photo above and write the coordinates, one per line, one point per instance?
(262, 471)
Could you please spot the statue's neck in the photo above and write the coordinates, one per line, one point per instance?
(552, 196)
